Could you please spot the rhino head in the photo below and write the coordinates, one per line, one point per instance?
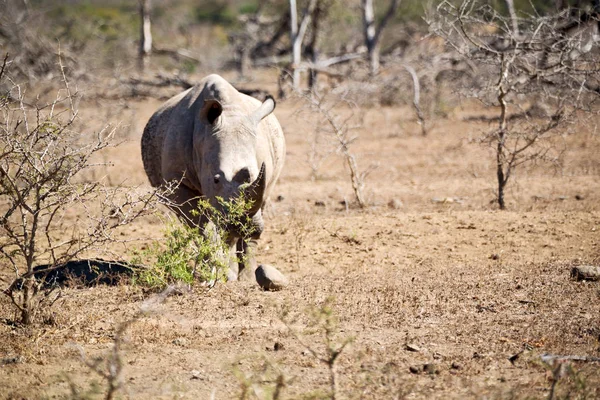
(228, 154)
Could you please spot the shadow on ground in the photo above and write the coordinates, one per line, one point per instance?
(85, 273)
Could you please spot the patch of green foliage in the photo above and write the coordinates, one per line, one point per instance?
(223, 12)
(86, 21)
(190, 253)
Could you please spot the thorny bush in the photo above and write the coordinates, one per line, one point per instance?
(49, 215)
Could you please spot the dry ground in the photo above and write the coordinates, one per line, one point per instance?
(464, 284)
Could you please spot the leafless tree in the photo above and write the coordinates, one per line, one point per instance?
(328, 350)
(341, 129)
(320, 13)
(297, 33)
(48, 212)
(373, 31)
(510, 4)
(539, 84)
(145, 47)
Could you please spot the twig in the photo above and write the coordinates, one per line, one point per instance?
(551, 358)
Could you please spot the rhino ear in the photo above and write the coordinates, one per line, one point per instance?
(211, 110)
(265, 109)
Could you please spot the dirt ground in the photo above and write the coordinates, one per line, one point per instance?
(438, 294)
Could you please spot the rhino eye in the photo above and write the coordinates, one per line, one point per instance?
(217, 178)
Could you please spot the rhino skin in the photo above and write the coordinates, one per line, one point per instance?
(216, 142)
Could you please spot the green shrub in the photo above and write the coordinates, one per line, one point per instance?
(190, 254)
(223, 12)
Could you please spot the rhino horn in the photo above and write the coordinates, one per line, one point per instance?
(265, 109)
(256, 190)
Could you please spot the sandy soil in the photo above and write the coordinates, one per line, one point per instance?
(435, 288)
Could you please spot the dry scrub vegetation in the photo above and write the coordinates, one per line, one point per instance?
(406, 280)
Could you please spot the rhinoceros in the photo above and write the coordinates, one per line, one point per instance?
(217, 143)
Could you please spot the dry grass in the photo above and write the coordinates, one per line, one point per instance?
(469, 285)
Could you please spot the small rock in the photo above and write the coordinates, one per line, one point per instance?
(395, 204)
(320, 203)
(278, 346)
(515, 357)
(11, 360)
(456, 366)
(414, 370)
(586, 273)
(181, 341)
(495, 256)
(280, 198)
(412, 347)
(579, 197)
(196, 374)
(269, 278)
(430, 369)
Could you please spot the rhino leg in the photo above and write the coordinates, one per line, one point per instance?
(234, 268)
(247, 262)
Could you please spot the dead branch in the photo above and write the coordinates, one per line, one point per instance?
(177, 54)
(416, 97)
(552, 358)
(160, 80)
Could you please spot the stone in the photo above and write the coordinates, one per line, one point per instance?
(395, 204)
(586, 273)
(181, 341)
(197, 374)
(412, 347)
(430, 369)
(269, 278)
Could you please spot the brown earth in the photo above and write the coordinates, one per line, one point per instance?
(431, 274)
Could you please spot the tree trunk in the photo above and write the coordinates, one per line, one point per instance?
(372, 33)
(312, 47)
(513, 17)
(296, 44)
(501, 140)
(145, 33)
(501, 193)
(245, 61)
(297, 36)
(369, 33)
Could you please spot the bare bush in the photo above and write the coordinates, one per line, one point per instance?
(327, 349)
(538, 75)
(34, 55)
(341, 131)
(47, 213)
